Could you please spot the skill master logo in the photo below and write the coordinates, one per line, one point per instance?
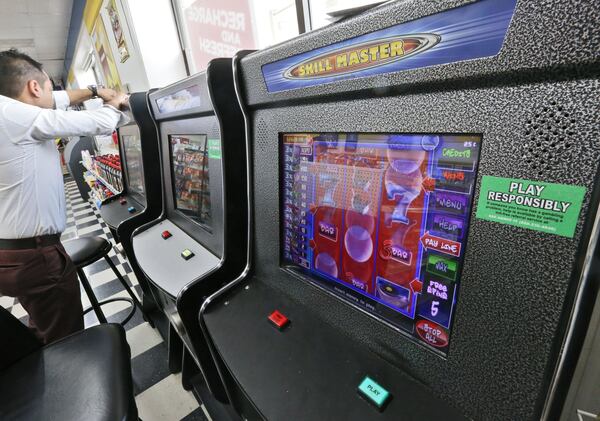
(365, 55)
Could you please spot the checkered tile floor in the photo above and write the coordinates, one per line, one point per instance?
(159, 394)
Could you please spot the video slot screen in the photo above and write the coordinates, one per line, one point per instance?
(189, 160)
(381, 220)
(132, 146)
(184, 99)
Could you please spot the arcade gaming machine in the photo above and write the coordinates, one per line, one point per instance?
(424, 195)
(196, 246)
(141, 199)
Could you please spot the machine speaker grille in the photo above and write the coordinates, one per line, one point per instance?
(214, 130)
(549, 137)
(263, 141)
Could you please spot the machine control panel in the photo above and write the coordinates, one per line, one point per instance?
(161, 259)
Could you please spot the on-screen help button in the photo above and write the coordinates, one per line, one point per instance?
(166, 234)
(187, 254)
(374, 393)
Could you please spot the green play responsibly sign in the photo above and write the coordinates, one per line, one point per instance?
(214, 148)
(547, 207)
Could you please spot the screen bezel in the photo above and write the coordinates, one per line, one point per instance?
(322, 283)
(131, 130)
(203, 125)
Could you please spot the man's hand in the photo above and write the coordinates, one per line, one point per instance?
(119, 100)
(125, 103)
(107, 94)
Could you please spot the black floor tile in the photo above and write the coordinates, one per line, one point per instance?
(136, 320)
(149, 368)
(196, 415)
(88, 212)
(69, 236)
(96, 267)
(95, 233)
(107, 289)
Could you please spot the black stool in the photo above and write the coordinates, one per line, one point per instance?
(83, 252)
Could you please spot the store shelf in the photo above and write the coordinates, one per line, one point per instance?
(101, 179)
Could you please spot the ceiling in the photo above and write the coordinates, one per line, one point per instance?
(38, 28)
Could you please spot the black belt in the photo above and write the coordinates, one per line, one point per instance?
(29, 243)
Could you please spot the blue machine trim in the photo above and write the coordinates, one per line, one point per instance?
(468, 32)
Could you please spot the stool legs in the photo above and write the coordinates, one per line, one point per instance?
(91, 296)
(124, 282)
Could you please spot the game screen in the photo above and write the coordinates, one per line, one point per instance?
(132, 147)
(382, 220)
(189, 158)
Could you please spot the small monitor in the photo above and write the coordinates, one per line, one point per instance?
(190, 169)
(381, 221)
(134, 168)
(184, 99)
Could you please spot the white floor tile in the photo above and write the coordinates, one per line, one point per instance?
(132, 278)
(101, 278)
(87, 230)
(79, 206)
(81, 212)
(141, 338)
(8, 301)
(82, 221)
(166, 400)
(18, 311)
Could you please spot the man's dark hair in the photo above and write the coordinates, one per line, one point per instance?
(16, 69)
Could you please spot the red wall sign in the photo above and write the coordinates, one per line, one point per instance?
(218, 28)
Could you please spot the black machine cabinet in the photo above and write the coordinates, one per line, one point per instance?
(147, 201)
(137, 205)
(532, 101)
(195, 246)
(128, 203)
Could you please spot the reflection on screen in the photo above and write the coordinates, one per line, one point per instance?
(181, 100)
(133, 164)
(190, 177)
(381, 220)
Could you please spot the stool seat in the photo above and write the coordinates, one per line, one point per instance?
(84, 251)
(85, 376)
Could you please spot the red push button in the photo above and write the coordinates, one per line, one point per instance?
(123, 201)
(166, 234)
(279, 320)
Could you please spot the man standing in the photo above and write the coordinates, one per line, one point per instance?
(34, 266)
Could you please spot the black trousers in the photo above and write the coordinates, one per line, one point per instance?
(45, 282)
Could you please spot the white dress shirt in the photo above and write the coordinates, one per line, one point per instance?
(32, 197)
